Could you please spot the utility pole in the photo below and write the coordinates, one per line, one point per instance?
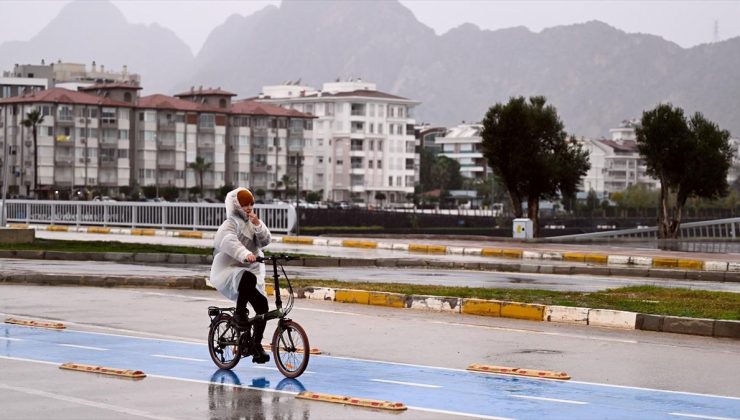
(297, 193)
(5, 164)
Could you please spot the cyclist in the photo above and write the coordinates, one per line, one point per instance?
(235, 272)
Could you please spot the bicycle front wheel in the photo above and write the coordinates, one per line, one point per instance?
(223, 343)
(290, 348)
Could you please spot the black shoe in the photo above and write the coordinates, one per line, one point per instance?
(259, 354)
(240, 320)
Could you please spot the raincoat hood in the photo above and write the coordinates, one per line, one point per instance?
(232, 205)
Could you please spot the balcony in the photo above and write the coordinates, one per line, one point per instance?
(64, 160)
(108, 123)
(166, 145)
(106, 162)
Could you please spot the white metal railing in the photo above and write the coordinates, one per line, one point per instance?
(277, 217)
(708, 229)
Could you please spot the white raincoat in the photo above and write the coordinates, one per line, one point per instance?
(236, 238)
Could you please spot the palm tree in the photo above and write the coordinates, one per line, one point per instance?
(32, 121)
(200, 166)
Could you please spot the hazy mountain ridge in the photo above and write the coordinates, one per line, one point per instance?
(105, 37)
(595, 75)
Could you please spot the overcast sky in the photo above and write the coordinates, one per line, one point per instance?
(686, 23)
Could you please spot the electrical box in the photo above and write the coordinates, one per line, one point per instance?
(523, 229)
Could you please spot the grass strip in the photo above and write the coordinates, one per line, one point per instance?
(104, 246)
(641, 299)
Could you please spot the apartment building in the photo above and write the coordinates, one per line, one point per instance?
(362, 142)
(463, 143)
(107, 136)
(73, 75)
(615, 163)
(15, 86)
(83, 141)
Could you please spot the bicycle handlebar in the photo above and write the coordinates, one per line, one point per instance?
(280, 257)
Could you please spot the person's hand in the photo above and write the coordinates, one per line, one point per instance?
(254, 219)
(251, 258)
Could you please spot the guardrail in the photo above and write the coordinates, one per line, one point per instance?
(708, 229)
(196, 216)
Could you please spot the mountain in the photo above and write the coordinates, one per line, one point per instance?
(87, 31)
(594, 74)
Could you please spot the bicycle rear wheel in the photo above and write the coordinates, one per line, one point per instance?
(223, 343)
(290, 348)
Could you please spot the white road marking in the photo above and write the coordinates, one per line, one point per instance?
(457, 413)
(11, 339)
(529, 397)
(84, 347)
(699, 416)
(190, 359)
(80, 401)
(406, 383)
(276, 369)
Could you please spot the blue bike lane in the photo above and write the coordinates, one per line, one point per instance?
(419, 387)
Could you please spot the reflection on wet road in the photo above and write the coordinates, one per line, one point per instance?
(429, 389)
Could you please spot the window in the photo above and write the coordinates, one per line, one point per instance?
(398, 181)
(380, 145)
(370, 164)
(380, 164)
(320, 160)
(340, 162)
(207, 121)
(380, 128)
(320, 142)
(390, 181)
(219, 139)
(122, 134)
(123, 153)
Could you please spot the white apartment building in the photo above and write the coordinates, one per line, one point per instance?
(111, 138)
(362, 142)
(463, 143)
(83, 141)
(15, 86)
(72, 75)
(615, 163)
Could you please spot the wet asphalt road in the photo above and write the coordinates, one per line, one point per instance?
(32, 388)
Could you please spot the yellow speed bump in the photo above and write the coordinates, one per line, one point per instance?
(519, 372)
(56, 228)
(360, 402)
(313, 350)
(127, 373)
(143, 232)
(31, 323)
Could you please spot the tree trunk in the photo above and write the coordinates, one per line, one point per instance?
(677, 214)
(35, 164)
(533, 210)
(663, 220)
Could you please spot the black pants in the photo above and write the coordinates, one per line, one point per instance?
(248, 293)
